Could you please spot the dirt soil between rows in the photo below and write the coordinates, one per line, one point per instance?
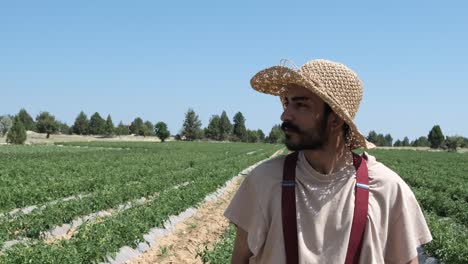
(187, 238)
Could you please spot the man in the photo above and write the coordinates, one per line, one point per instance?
(320, 101)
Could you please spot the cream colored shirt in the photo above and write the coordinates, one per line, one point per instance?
(324, 205)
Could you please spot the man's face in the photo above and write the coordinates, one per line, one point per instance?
(304, 119)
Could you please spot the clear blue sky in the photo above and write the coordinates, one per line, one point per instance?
(155, 59)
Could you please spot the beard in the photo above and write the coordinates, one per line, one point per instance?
(312, 139)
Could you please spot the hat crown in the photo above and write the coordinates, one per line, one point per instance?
(337, 81)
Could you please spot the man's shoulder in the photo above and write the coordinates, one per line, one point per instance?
(268, 171)
(378, 170)
(384, 180)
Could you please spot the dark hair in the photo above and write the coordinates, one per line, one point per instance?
(326, 111)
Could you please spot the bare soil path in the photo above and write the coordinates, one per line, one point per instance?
(205, 227)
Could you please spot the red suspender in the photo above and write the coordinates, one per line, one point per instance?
(360, 210)
(288, 209)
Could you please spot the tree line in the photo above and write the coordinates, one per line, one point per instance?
(220, 128)
(435, 139)
(15, 126)
(96, 125)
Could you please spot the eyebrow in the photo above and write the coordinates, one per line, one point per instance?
(300, 98)
(297, 98)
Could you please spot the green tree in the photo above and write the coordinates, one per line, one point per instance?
(239, 130)
(136, 127)
(405, 142)
(122, 129)
(252, 136)
(191, 128)
(6, 122)
(380, 140)
(420, 142)
(212, 131)
(388, 140)
(149, 128)
(225, 126)
(63, 128)
(97, 125)
(46, 123)
(454, 142)
(397, 143)
(465, 143)
(17, 133)
(276, 135)
(80, 127)
(109, 128)
(435, 137)
(27, 120)
(261, 135)
(161, 131)
(372, 137)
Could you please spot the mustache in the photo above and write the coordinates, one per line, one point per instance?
(290, 126)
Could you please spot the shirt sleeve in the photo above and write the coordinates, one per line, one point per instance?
(245, 212)
(408, 231)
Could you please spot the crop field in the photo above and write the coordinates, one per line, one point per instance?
(440, 182)
(112, 192)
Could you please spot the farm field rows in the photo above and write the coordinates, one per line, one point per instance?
(72, 180)
(439, 181)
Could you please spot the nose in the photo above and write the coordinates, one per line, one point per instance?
(286, 115)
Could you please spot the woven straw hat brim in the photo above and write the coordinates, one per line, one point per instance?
(274, 79)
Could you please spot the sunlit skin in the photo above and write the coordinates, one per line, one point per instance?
(306, 124)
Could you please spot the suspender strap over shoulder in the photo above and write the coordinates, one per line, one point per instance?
(361, 206)
(288, 209)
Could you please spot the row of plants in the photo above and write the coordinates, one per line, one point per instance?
(438, 179)
(111, 196)
(30, 177)
(94, 241)
(222, 250)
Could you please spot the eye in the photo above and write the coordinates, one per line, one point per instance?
(299, 104)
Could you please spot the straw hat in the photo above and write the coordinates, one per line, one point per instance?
(333, 82)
